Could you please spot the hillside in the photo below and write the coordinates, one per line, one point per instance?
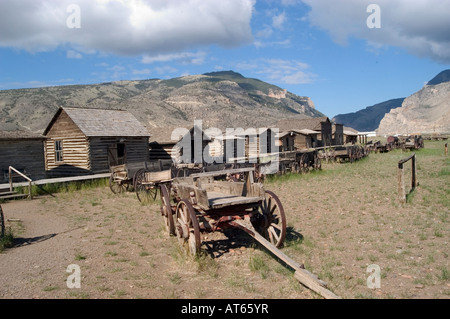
(426, 111)
(220, 99)
(368, 119)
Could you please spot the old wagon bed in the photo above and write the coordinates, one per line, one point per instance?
(217, 200)
(213, 192)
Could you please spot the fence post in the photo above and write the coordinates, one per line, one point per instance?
(401, 184)
(413, 172)
(401, 177)
(10, 180)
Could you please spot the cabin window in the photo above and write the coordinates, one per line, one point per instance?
(58, 151)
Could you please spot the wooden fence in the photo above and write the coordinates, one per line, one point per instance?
(401, 177)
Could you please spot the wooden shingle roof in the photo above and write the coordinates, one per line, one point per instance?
(163, 135)
(101, 122)
(300, 124)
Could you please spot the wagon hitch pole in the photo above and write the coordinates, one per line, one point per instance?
(302, 275)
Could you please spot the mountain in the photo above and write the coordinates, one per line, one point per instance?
(368, 119)
(442, 77)
(424, 112)
(220, 99)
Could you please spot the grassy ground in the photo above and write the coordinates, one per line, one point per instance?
(340, 221)
(349, 217)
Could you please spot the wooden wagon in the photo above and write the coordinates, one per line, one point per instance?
(142, 177)
(299, 161)
(212, 201)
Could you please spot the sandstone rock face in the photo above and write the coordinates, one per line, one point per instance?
(425, 112)
(221, 99)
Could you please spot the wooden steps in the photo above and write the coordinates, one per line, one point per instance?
(11, 195)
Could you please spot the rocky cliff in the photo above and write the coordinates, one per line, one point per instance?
(220, 99)
(426, 111)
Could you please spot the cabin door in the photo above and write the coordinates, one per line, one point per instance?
(116, 154)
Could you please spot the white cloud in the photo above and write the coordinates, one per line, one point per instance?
(280, 70)
(142, 72)
(279, 20)
(421, 26)
(125, 27)
(71, 54)
(182, 57)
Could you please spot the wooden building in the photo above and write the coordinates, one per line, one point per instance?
(292, 140)
(322, 125)
(24, 151)
(88, 141)
(338, 134)
(350, 135)
(167, 143)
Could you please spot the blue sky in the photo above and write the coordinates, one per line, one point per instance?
(323, 49)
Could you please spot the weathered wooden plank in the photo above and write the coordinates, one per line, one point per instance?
(224, 172)
(302, 275)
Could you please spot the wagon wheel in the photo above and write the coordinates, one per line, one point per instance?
(304, 163)
(258, 177)
(295, 167)
(270, 221)
(187, 228)
(117, 186)
(350, 154)
(2, 223)
(281, 169)
(144, 192)
(166, 210)
(317, 163)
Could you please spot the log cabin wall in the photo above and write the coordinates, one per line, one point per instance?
(161, 151)
(78, 141)
(326, 133)
(136, 150)
(26, 155)
(75, 148)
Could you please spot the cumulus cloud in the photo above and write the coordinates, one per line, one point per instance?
(124, 27)
(183, 57)
(421, 26)
(278, 20)
(283, 71)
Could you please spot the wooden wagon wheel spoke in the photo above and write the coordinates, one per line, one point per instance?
(274, 237)
(116, 186)
(270, 221)
(187, 228)
(2, 223)
(144, 192)
(304, 163)
(166, 210)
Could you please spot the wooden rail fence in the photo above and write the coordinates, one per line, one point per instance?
(11, 175)
(401, 177)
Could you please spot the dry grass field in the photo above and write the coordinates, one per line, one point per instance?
(340, 220)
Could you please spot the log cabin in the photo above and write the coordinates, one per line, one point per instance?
(292, 140)
(167, 143)
(338, 134)
(322, 125)
(89, 141)
(350, 135)
(24, 151)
